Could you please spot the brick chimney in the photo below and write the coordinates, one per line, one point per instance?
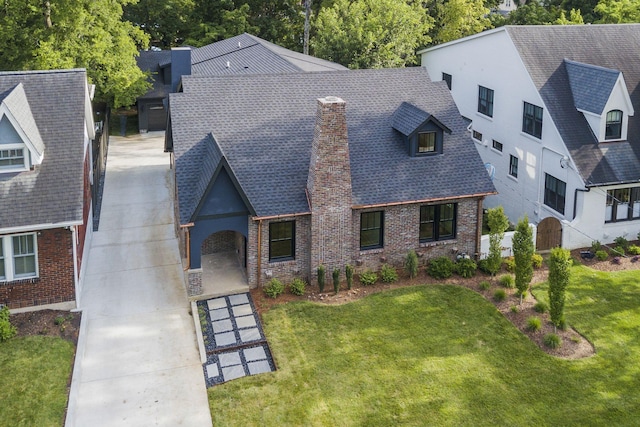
(329, 189)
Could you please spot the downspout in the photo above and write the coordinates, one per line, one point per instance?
(188, 248)
(575, 199)
(76, 282)
(259, 252)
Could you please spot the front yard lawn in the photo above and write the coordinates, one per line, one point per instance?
(34, 372)
(442, 355)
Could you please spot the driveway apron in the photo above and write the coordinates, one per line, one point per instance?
(140, 364)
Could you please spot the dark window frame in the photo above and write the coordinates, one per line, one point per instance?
(618, 198)
(434, 136)
(497, 145)
(555, 193)
(532, 120)
(613, 129)
(448, 79)
(476, 135)
(369, 227)
(513, 166)
(485, 101)
(278, 236)
(432, 221)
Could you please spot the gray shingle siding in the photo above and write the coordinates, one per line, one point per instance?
(53, 192)
(264, 125)
(543, 50)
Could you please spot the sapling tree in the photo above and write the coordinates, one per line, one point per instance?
(559, 273)
(321, 278)
(522, 254)
(498, 224)
(336, 280)
(411, 263)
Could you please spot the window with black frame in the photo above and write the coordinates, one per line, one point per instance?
(554, 193)
(532, 120)
(438, 222)
(282, 240)
(371, 230)
(485, 101)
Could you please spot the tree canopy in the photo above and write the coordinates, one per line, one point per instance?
(89, 34)
(371, 33)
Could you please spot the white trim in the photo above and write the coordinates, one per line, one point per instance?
(76, 284)
(9, 257)
(36, 227)
(462, 40)
(36, 157)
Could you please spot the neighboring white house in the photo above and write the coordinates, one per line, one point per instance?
(552, 112)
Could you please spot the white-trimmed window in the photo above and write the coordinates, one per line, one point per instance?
(18, 257)
(12, 157)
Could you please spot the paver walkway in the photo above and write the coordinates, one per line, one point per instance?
(139, 363)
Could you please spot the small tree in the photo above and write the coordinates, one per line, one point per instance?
(411, 263)
(498, 224)
(523, 253)
(321, 278)
(336, 280)
(348, 272)
(559, 262)
(7, 330)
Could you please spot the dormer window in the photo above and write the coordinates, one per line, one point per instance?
(427, 142)
(614, 125)
(12, 159)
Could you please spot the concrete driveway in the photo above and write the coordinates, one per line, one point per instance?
(139, 363)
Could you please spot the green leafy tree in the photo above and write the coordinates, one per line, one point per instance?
(461, 18)
(575, 18)
(559, 274)
(522, 252)
(498, 224)
(618, 11)
(371, 33)
(215, 20)
(278, 21)
(532, 13)
(167, 22)
(87, 34)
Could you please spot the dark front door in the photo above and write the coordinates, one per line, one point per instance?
(157, 117)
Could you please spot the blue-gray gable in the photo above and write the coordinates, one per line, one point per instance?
(222, 199)
(591, 85)
(8, 134)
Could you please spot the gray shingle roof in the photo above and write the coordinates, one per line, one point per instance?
(248, 54)
(53, 192)
(543, 50)
(264, 126)
(407, 118)
(18, 105)
(591, 85)
(152, 61)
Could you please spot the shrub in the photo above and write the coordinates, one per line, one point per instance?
(7, 330)
(388, 274)
(500, 295)
(507, 281)
(617, 251)
(336, 280)
(536, 260)
(622, 242)
(483, 265)
(411, 264)
(534, 324)
(297, 287)
(59, 320)
(498, 223)
(368, 278)
(321, 277)
(510, 264)
(440, 268)
(485, 285)
(633, 250)
(514, 308)
(274, 288)
(552, 341)
(348, 272)
(559, 275)
(465, 267)
(541, 307)
(602, 255)
(596, 246)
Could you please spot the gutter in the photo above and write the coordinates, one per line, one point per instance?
(410, 202)
(35, 227)
(76, 282)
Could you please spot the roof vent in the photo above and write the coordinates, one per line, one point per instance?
(228, 64)
(239, 45)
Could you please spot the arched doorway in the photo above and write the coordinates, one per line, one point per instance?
(549, 234)
(224, 263)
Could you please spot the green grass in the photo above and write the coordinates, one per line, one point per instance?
(34, 372)
(442, 355)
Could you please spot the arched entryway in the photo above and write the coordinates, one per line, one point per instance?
(549, 234)
(224, 265)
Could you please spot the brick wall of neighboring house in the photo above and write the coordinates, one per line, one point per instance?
(285, 271)
(402, 231)
(55, 282)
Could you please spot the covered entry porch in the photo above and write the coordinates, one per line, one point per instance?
(223, 262)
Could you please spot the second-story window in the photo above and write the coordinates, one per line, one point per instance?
(485, 101)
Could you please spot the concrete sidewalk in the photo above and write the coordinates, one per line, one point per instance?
(139, 363)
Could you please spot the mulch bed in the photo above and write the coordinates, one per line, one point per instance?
(56, 323)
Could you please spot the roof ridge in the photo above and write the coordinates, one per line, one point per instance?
(593, 66)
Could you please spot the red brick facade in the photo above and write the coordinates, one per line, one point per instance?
(55, 282)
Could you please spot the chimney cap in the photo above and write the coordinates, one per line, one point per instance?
(331, 100)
